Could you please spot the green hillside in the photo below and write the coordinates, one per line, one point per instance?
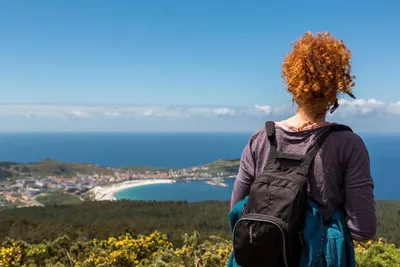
(144, 169)
(103, 219)
(230, 166)
(48, 167)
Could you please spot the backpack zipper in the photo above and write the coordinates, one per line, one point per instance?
(268, 221)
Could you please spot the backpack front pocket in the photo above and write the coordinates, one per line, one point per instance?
(260, 240)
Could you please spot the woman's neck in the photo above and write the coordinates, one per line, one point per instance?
(302, 120)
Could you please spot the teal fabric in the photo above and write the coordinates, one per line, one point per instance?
(236, 212)
(234, 216)
(325, 243)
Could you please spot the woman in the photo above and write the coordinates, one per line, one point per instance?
(315, 72)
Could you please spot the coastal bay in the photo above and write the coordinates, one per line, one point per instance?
(61, 182)
(107, 192)
(190, 191)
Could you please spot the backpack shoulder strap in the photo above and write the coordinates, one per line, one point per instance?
(270, 129)
(309, 157)
(273, 152)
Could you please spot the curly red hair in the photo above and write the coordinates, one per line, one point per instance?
(317, 70)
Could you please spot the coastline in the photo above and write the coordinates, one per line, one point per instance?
(214, 183)
(107, 192)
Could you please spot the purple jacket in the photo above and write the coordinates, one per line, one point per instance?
(339, 175)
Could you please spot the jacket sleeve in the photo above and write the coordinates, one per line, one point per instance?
(245, 176)
(359, 192)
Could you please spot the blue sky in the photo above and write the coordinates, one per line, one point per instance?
(183, 65)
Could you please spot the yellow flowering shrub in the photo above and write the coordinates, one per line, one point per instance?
(10, 256)
(155, 250)
(121, 251)
(214, 252)
(377, 254)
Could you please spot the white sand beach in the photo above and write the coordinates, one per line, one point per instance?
(107, 192)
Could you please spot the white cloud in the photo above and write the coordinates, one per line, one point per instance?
(394, 108)
(224, 112)
(264, 109)
(200, 111)
(359, 107)
(355, 112)
(25, 111)
(78, 114)
(30, 114)
(347, 108)
(372, 103)
(112, 113)
(172, 112)
(148, 113)
(159, 111)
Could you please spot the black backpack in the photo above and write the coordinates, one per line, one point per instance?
(268, 233)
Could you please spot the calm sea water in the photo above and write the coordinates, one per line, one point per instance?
(171, 150)
(177, 151)
(190, 191)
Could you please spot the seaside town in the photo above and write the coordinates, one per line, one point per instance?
(27, 189)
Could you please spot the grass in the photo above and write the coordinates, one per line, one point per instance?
(58, 198)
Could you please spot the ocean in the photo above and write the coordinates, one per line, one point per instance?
(171, 150)
(177, 150)
(192, 191)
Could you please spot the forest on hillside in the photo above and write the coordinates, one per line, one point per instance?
(114, 218)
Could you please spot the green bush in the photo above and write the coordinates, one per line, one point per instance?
(155, 250)
(377, 254)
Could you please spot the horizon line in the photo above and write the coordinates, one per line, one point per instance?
(157, 132)
(125, 104)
